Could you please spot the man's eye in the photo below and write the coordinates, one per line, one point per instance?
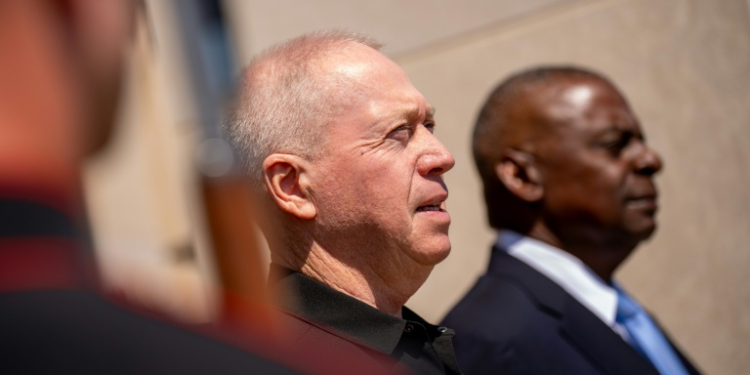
(430, 126)
(403, 131)
(618, 144)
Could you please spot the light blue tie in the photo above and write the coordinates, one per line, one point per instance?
(646, 337)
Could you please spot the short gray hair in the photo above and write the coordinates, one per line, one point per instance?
(285, 98)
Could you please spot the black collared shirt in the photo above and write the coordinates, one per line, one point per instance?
(422, 347)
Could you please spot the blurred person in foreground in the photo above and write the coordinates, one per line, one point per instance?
(568, 184)
(348, 173)
(59, 79)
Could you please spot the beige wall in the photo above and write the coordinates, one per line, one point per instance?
(684, 65)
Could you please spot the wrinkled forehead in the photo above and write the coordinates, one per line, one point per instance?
(369, 93)
(369, 70)
(370, 79)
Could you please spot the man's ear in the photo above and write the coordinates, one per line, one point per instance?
(286, 179)
(517, 171)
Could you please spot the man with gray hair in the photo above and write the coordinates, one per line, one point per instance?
(348, 174)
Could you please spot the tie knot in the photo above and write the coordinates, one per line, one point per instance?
(626, 308)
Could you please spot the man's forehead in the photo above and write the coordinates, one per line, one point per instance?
(353, 60)
(414, 107)
(368, 78)
(586, 100)
(578, 95)
(419, 107)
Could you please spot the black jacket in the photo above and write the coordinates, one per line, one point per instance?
(517, 321)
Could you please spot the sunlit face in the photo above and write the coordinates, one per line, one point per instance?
(597, 169)
(378, 188)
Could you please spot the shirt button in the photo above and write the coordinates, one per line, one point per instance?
(442, 329)
(409, 328)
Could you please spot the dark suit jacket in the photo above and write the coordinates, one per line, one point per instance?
(517, 321)
(51, 323)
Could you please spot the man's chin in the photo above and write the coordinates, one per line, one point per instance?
(431, 255)
(644, 231)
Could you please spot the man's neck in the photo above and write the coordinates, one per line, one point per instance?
(601, 257)
(358, 281)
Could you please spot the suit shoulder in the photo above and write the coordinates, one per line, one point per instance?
(486, 302)
(499, 326)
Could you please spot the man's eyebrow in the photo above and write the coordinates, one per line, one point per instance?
(621, 130)
(412, 112)
(613, 129)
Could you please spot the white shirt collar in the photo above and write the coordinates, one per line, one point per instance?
(566, 270)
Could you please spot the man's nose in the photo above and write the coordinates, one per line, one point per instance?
(435, 158)
(648, 161)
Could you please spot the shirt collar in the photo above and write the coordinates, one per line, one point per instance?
(564, 269)
(339, 313)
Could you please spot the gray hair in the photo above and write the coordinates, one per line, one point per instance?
(285, 98)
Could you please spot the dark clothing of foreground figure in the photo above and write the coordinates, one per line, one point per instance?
(51, 324)
(320, 315)
(514, 315)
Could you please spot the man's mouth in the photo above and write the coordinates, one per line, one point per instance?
(431, 207)
(648, 202)
(437, 205)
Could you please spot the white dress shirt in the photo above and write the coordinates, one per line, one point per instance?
(568, 272)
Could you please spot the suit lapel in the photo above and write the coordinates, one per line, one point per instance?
(685, 361)
(594, 339)
(600, 343)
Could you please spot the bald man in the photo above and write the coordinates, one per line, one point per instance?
(568, 184)
(348, 174)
